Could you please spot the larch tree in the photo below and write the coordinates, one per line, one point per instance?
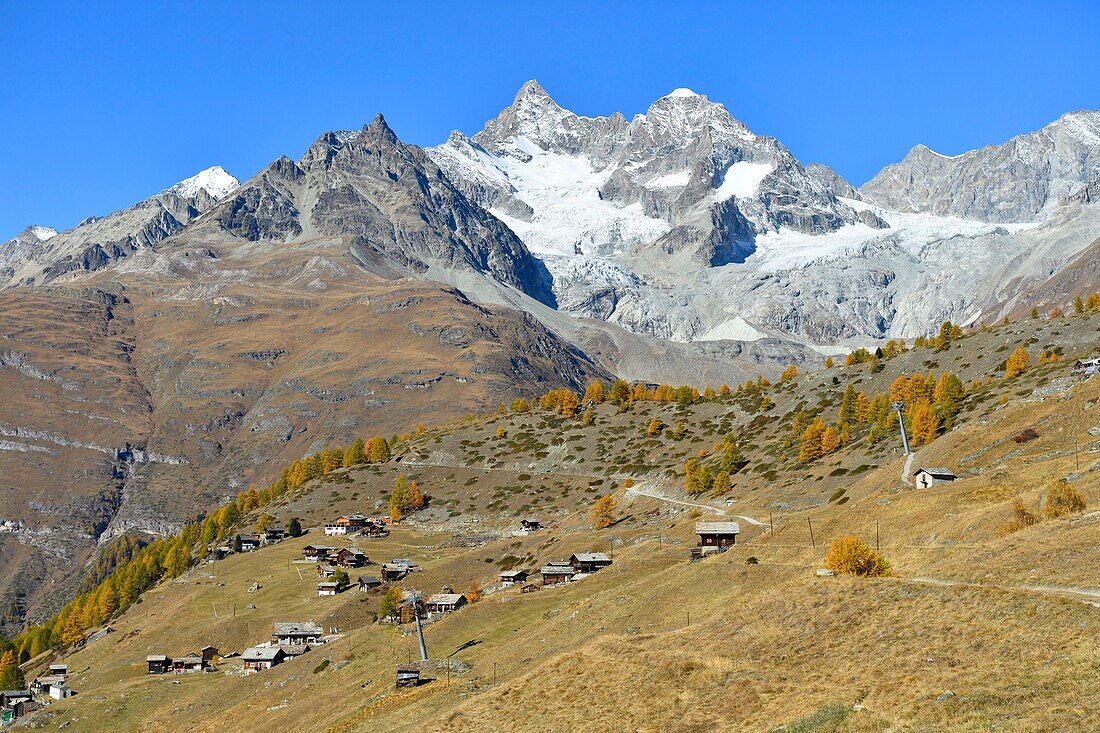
(847, 412)
(595, 393)
(1017, 362)
(603, 512)
(378, 450)
(925, 424)
(355, 454)
(721, 484)
(830, 440)
(810, 449)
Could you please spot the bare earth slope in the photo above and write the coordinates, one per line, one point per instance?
(134, 405)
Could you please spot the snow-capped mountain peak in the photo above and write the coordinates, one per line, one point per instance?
(41, 233)
(214, 180)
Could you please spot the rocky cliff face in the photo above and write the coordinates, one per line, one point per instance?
(1016, 181)
(400, 214)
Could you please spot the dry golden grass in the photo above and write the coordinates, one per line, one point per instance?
(655, 643)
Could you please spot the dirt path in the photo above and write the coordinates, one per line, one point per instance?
(1090, 596)
(642, 489)
(905, 469)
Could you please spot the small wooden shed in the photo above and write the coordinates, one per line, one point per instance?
(717, 534)
(408, 675)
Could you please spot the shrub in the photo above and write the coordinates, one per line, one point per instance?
(1022, 517)
(1026, 435)
(850, 555)
(1062, 500)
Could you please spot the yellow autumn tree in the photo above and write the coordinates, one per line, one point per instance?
(594, 394)
(791, 372)
(473, 595)
(810, 449)
(1017, 362)
(603, 512)
(654, 426)
(852, 556)
(830, 441)
(925, 424)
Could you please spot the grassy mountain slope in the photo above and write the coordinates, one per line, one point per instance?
(1005, 623)
(220, 384)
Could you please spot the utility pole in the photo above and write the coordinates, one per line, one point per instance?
(419, 628)
(898, 407)
(811, 526)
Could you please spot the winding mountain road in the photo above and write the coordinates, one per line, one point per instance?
(643, 489)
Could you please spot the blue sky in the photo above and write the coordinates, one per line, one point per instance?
(104, 105)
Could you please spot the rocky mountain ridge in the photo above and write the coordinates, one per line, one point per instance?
(1019, 180)
(39, 255)
(683, 224)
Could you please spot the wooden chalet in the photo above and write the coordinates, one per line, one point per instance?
(158, 663)
(557, 573)
(513, 577)
(391, 572)
(926, 477)
(444, 602)
(317, 552)
(274, 534)
(368, 582)
(408, 675)
(188, 664)
(347, 525)
(328, 588)
(41, 685)
(589, 562)
(717, 534)
(374, 528)
(249, 542)
(349, 557)
(288, 633)
(59, 669)
(209, 654)
(258, 658)
(15, 704)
